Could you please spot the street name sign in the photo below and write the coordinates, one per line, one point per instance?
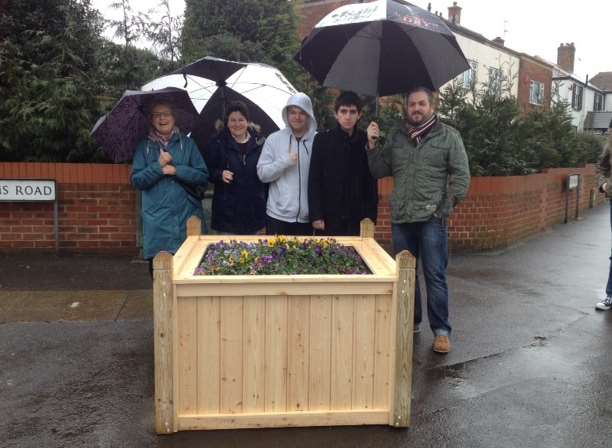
(27, 190)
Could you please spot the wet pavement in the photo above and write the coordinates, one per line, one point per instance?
(531, 365)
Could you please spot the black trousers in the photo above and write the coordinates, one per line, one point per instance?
(341, 228)
(278, 227)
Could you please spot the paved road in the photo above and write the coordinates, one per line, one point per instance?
(532, 365)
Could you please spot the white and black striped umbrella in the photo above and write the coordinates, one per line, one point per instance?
(212, 83)
(382, 48)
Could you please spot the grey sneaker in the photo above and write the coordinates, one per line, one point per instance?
(604, 305)
(416, 328)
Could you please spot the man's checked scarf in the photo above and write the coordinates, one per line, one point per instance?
(418, 133)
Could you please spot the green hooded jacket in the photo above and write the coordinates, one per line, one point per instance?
(429, 178)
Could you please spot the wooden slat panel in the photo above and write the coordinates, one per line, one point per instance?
(320, 353)
(208, 355)
(342, 353)
(363, 352)
(187, 258)
(231, 354)
(382, 355)
(378, 255)
(373, 417)
(298, 323)
(276, 354)
(187, 356)
(254, 339)
(255, 288)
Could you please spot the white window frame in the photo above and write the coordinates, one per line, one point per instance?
(536, 93)
(495, 79)
(602, 101)
(469, 76)
(577, 97)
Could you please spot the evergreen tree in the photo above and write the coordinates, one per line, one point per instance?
(243, 30)
(48, 92)
(164, 29)
(110, 72)
(129, 28)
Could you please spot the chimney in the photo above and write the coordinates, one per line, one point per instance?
(454, 14)
(499, 41)
(565, 57)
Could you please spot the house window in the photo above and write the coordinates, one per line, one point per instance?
(469, 76)
(598, 103)
(577, 92)
(495, 80)
(536, 93)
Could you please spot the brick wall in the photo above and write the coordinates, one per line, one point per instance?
(500, 211)
(97, 209)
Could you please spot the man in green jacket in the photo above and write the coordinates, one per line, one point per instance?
(431, 175)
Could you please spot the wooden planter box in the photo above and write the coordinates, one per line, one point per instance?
(278, 351)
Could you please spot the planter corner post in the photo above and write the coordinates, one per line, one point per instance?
(163, 303)
(404, 297)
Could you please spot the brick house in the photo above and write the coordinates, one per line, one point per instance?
(311, 12)
(535, 84)
(603, 81)
(530, 77)
(489, 60)
(584, 97)
(601, 119)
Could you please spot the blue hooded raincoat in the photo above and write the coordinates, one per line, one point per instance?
(166, 205)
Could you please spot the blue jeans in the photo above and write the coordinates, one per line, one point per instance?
(609, 285)
(428, 241)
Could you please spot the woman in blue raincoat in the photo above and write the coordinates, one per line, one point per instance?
(166, 166)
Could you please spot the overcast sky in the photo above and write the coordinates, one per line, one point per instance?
(535, 27)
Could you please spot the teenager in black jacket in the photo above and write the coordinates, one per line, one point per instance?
(341, 190)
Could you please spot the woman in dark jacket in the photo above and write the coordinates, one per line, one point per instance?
(239, 200)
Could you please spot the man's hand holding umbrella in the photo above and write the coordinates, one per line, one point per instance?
(373, 135)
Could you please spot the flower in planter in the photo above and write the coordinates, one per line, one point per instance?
(281, 256)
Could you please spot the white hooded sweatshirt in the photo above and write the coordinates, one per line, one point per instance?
(288, 192)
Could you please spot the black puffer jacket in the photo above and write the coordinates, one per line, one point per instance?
(240, 206)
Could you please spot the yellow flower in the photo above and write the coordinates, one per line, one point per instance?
(244, 256)
(278, 241)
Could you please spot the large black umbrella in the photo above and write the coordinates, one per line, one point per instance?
(212, 83)
(382, 48)
(119, 131)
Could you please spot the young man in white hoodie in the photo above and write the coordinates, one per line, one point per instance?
(284, 164)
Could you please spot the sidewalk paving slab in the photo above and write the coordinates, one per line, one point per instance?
(33, 306)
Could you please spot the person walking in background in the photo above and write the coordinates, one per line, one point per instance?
(166, 164)
(239, 199)
(341, 190)
(284, 164)
(431, 175)
(605, 169)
